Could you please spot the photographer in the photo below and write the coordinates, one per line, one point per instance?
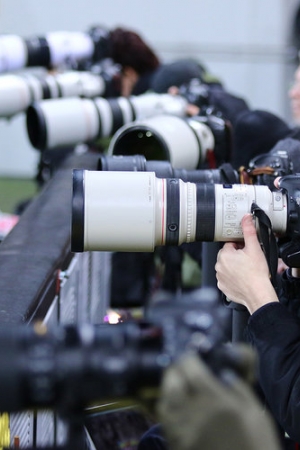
(256, 132)
(141, 68)
(142, 71)
(272, 328)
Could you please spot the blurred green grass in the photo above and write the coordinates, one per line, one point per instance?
(14, 191)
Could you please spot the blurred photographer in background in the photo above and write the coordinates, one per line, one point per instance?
(142, 70)
(256, 132)
(294, 95)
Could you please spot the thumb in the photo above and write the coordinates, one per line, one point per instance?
(249, 231)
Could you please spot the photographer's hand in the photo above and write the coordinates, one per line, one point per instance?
(242, 270)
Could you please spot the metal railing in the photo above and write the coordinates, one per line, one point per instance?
(40, 279)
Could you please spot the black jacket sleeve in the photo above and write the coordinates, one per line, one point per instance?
(275, 333)
(289, 293)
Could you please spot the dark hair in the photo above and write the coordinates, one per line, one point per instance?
(129, 49)
(256, 132)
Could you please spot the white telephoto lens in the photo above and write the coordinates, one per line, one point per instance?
(121, 211)
(65, 46)
(234, 201)
(131, 211)
(13, 53)
(165, 137)
(16, 94)
(57, 123)
(136, 211)
(153, 104)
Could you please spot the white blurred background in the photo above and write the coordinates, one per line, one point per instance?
(248, 44)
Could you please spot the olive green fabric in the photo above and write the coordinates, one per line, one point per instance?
(15, 190)
(198, 412)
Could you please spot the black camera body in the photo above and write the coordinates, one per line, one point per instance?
(290, 249)
(68, 367)
(282, 160)
(196, 93)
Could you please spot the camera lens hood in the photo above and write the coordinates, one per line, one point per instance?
(77, 235)
(36, 126)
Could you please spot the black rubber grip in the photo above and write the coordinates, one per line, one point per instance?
(173, 211)
(205, 221)
(77, 231)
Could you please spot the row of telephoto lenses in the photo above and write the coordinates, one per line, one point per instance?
(75, 106)
(53, 49)
(131, 204)
(153, 125)
(66, 109)
(58, 64)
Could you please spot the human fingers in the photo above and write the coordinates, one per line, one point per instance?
(173, 90)
(249, 232)
(228, 247)
(276, 182)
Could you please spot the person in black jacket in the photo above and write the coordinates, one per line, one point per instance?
(273, 327)
(143, 71)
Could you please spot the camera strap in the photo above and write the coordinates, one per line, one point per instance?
(267, 240)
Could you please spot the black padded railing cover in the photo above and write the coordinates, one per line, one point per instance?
(38, 247)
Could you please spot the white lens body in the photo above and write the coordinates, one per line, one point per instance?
(106, 114)
(83, 84)
(186, 146)
(67, 46)
(152, 104)
(127, 211)
(121, 210)
(205, 136)
(13, 53)
(17, 92)
(69, 121)
(126, 109)
(234, 202)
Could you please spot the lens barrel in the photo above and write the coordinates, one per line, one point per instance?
(136, 211)
(18, 92)
(164, 169)
(13, 53)
(38, 52)
(182, 141)
(70, 121)
(136, 163)
(51, 50)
